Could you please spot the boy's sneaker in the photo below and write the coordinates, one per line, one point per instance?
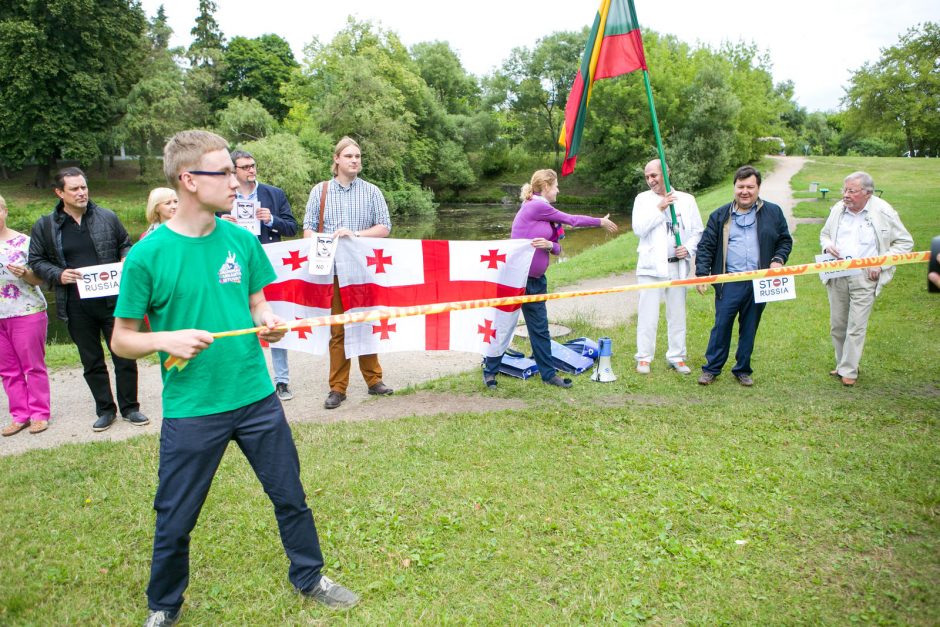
(163, 618)
(332, 594)
(283, 391)
(643, 367)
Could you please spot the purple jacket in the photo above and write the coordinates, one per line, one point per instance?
(535, 219)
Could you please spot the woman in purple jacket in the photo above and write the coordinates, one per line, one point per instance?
(539, 221)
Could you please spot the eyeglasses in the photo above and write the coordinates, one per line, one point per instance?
(853, 192)
(744, 220)
(208, 173)
(250, 166)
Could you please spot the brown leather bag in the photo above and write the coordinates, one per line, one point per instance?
(324, 188)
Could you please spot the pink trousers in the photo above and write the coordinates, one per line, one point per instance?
(23, 366)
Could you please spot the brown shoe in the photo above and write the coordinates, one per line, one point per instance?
(38, 426)
(707, 378)
(13, 428)
(847, 382)
(745, 380)
(333, 400)
(380, 389)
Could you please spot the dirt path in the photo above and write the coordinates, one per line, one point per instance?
(73, 409)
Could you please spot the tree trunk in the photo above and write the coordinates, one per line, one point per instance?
(143, 163)
(43, 169)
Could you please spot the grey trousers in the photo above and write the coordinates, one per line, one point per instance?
(851, 299)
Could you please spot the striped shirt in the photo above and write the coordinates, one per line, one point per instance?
(357, 207)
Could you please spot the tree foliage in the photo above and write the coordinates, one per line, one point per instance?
(256, 69)
(283, 162)
(66, 67)
(898, 96)
(244, 119)
(158, 105)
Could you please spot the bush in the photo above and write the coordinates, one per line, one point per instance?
(409, 200)
(283, 162)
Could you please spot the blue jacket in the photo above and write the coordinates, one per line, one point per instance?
(773, 240)
(285, 225)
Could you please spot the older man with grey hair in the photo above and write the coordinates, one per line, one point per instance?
(859, 225)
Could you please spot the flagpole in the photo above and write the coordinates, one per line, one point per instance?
(662, 154)
(659, 140)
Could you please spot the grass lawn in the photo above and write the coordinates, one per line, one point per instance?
(650, 499)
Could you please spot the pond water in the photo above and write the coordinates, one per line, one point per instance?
(453, 222)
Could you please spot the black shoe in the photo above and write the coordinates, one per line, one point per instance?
(380, 389)
(283, 391)
(556, 380)
(104, 422)
(333, 400)
(137, 419)
(489, 380)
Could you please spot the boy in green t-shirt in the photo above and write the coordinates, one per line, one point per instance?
(196, 276)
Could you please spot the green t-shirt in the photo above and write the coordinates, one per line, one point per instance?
(203, 283)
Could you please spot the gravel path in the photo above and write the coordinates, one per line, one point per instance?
(73, 408)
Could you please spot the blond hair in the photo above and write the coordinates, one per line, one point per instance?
(540, 181)
(158, 196)
(3, 203)
(185, 150)
(343, 144)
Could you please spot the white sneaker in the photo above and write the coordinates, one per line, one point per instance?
(680, 367)
(643, 367)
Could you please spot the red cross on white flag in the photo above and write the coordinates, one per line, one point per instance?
(375, 273)
(296, 294)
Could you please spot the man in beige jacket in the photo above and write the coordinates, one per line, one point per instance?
(859, 225)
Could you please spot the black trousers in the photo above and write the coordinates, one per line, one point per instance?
(89, 320)
(190, 452)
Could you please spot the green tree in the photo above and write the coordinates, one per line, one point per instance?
(536, 84)
(284, 162)
(244, 119)
(441, 69)
(66, 66)
(899, 94)
(158, 105)
(208, 41)
(257, 68)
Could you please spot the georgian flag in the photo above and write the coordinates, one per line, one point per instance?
(296, 294)
(376, 273)
(380, 272)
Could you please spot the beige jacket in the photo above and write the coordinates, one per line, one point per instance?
(891, 236)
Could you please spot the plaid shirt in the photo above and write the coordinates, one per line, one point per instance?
(357, 207)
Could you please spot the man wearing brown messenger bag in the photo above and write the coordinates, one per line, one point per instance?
(347, 206)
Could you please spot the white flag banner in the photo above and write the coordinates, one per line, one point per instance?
(296, 294)
(375, 273)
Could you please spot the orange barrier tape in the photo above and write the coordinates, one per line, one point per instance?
(437, 308)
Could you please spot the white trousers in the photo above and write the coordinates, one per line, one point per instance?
(851, 299)
(647, 319)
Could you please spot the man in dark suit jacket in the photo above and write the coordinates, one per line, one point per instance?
(277, 221)
(746, 234)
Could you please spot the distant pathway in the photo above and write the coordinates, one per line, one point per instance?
(776, 186)
(73, 408)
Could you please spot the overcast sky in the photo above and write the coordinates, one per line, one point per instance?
(815, 43)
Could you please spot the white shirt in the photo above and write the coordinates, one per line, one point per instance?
(856, 235)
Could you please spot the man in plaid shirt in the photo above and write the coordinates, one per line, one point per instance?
(353, 208)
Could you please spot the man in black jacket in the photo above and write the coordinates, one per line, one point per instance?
(77, 234)
(746, 234)
(277, 221)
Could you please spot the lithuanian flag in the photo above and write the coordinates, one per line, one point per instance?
(614, 47)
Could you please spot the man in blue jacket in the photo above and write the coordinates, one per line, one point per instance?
(277, 221)
(746, 234)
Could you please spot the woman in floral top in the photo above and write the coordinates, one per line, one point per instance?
(22, 334)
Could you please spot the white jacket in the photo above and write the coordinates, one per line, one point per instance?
(891, 236)
(649, 223)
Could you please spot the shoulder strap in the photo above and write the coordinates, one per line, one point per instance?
(324, 188)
